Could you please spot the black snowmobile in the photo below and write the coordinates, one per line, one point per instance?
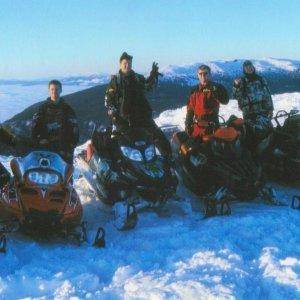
(129, 173)
(217, 167)
(279, 149)
(281, 159)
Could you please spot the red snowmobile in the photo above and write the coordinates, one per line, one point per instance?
(217, 167)
(41, 198)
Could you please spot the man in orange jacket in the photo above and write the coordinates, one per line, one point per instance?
(203, 104)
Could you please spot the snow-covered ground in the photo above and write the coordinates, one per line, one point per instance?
(252, 254)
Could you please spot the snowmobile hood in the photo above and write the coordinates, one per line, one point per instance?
(42, 160)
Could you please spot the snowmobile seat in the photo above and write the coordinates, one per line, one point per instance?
(226, 134)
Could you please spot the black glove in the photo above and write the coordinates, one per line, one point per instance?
(154, 74)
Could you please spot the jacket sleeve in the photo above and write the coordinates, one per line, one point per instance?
(238, 93)
(189, 119)
(72, 129)
(38, 131)
(149, 82)
(237, 89)
(268, 104)
(222, 94)
(111, 103)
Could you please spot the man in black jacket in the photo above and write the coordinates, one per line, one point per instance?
(55, 125)
(126, 103)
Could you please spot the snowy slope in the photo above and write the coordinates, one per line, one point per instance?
(252, 254)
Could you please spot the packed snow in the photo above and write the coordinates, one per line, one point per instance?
(176, 254)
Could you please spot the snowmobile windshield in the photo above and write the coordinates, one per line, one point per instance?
(41, 166)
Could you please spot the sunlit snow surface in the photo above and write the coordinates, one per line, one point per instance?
(252, 254)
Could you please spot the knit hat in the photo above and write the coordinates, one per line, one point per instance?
(126, 56)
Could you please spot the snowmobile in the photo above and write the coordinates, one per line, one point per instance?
(128, 173)
(217, 167)
(278, 151)
(40, 199)
(282, 159)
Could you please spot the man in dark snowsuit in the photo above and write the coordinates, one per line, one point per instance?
(255, 101)
(203, 104)
(55, 125)
(126, 103)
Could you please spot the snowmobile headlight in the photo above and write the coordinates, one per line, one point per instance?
(150, 152)
(132, 153)
(43, 178)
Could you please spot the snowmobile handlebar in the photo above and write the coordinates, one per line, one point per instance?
(283, 113)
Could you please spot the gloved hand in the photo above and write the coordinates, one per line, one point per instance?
(237, 82)
(154, 72)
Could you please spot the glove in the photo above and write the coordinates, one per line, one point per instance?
(237, 82)
(154, 72)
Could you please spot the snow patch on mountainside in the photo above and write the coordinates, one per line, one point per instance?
(230, 68)
(183, 73)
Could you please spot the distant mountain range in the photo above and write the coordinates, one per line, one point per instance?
(186, 74)
(283, 76)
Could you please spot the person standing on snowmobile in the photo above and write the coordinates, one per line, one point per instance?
(55, 126)
(203, 104)
(127, 105)
(255, 101)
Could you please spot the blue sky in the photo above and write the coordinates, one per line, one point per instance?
(62, 37)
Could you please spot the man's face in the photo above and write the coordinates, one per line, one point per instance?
(249, 69)
(54, 92)
(204, 77)
(125, 66)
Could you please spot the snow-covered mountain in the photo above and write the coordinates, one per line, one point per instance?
(76, 80)
(184, 73)
(232, 68)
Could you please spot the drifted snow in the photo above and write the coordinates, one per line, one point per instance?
(252, 254)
